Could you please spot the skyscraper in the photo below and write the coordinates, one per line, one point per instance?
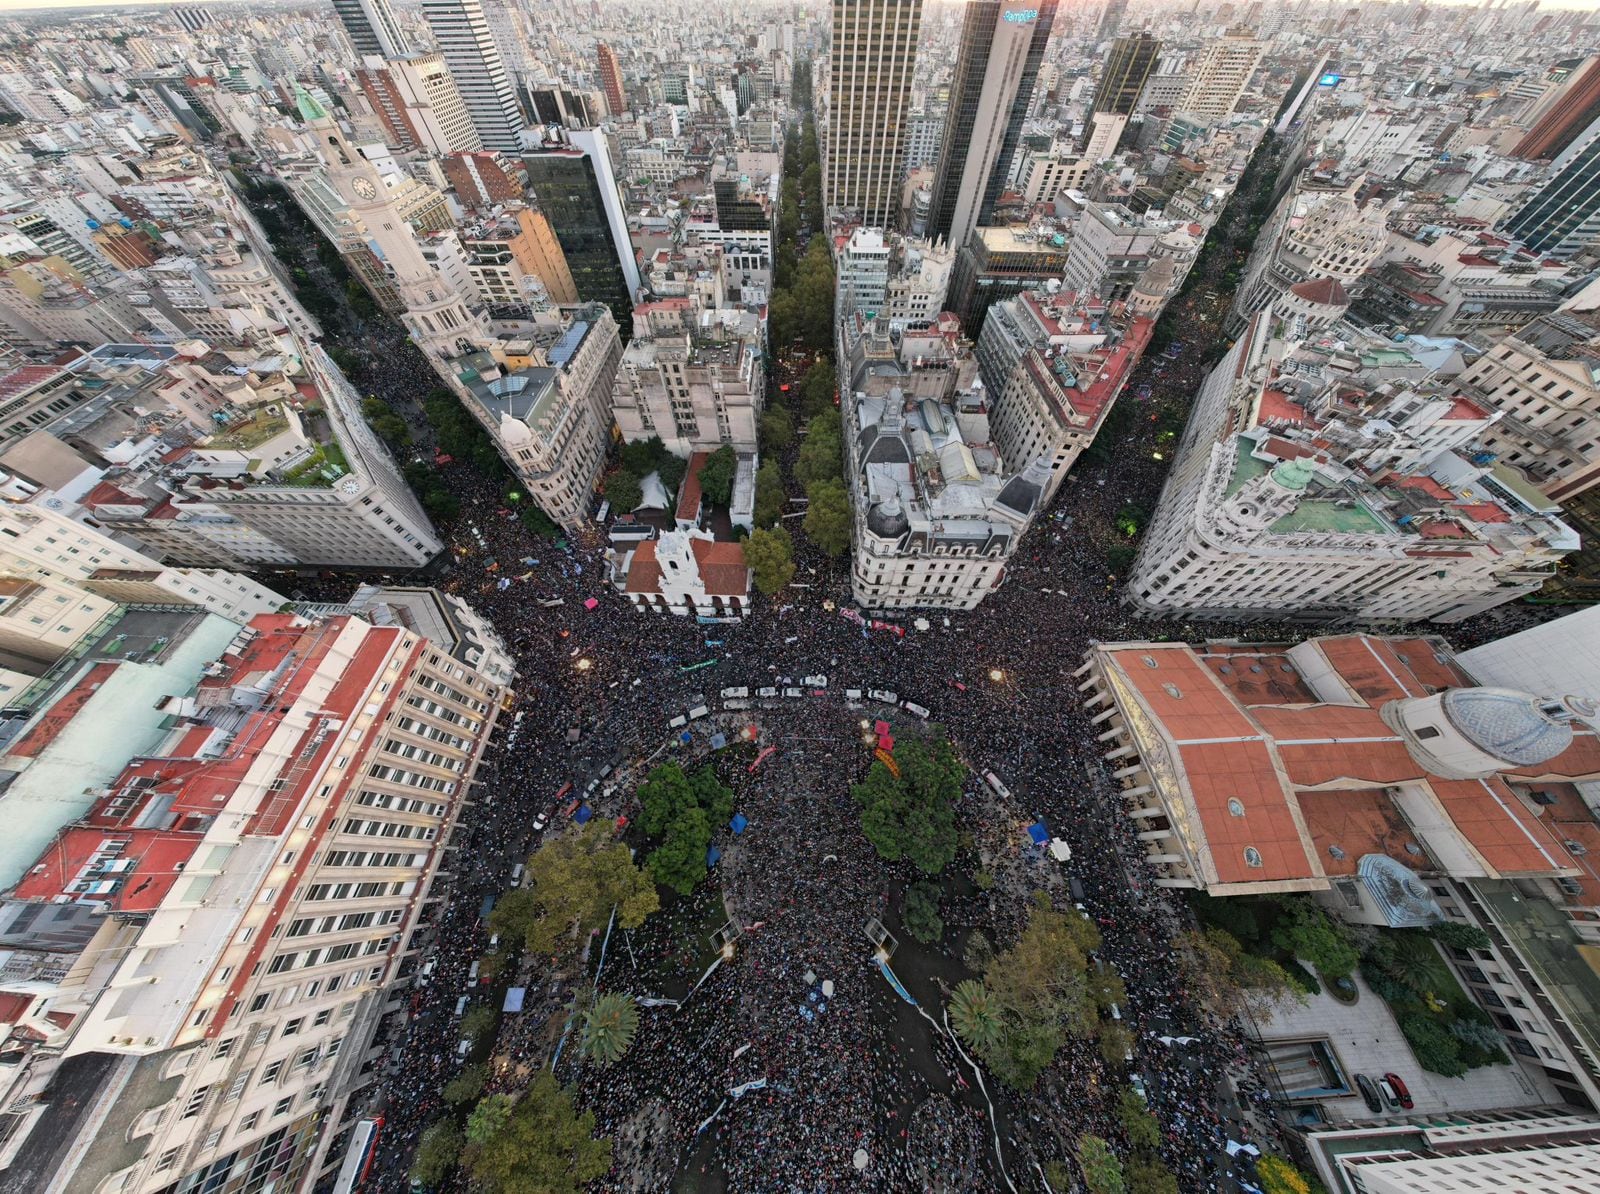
(1002, 42)
(372, 27)
(611, 79)
(1111, 18)
(1221, 76)
(1128, 65)
(869, 92)
(462, 32)
(576, 190)
(1564, 214)
(1573, 111)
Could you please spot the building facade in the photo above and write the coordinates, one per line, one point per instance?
(869, 91)
(469, 50)
(1563, 216)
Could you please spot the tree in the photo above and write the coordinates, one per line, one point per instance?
(920, 914)
(974, 1015)
(770, 555)
(574, 882)
(608, 1028)
(682, 810)
(643, 456)
(1459, 936)
(671, 469)
(1115, 1042)
(817, 389)
(465, 1086)
(679, 862)
(828, 520)
(1221, 974)
(489, 1118)
(777, 430)
(437, 1152)
(544, 1147)
(1138, 1124)
(770, 495)
(624, 491)
(1147, 1175)
(1435, 1049)
(1306, 931)
(1102, 1171)
(1277, 1176)
(821, 455)
(911, 816)
(479, 1021)
(716, 476)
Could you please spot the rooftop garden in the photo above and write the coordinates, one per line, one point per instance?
(250, 433)
(322, 468)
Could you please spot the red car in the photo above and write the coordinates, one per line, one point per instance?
(958, 686)
(1400, 1090)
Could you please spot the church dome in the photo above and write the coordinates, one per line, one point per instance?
(887, 519)
(1515, 726)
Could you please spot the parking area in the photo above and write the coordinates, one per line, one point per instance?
(1366, 1040)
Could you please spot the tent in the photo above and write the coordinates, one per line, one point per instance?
(886, 743)
(880, 727)
(686, 737)
(738, 823)
(1038, 833)
(514, 998)
(1059, 850)
(712, 854)
(590, 603)
(583, 814)
(718, 741)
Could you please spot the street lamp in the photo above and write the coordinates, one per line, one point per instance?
(996, 675)
(584, 665)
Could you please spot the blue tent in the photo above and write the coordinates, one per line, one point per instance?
(514, 999)
(686, 737)
(718, 741)
(1038, 833)
(583, 814)
(738, 823)
(712, 855)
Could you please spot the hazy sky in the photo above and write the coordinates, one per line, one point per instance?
(41, 5)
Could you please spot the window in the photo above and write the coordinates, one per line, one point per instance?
(249, 1122)
(196, 1101)
(282, 1106)
(168, 1159)
(1235, 807)
(270, 1074)
(293, 1026)
(1426, 732)
(1252, 856)
(225, 1046)
(323, 1017)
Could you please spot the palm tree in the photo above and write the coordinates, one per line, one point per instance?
(608, 1028)
(974, 1014)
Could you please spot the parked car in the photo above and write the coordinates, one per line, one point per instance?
(540, 822)
(1401, 1091)
(1390, 1099)
(1369, 1093)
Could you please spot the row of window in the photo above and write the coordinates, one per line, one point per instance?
(333, 953)
(308, 926)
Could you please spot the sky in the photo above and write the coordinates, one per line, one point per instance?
(54, 5)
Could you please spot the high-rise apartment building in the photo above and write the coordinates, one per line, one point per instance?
(1002, 42)
(1111, 18)
(1128, 65)
(260, 880)
(1564, 214)
(611, 79)
(869, 93)
(417, 101)
(372, 28)
(1576, 107)
(1220, 76)
(551, 420)
(462, 31)
(574, 185)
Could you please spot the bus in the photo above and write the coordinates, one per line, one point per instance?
(358, 1159)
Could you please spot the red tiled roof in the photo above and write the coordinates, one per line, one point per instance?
(1243, 771)
(689, 502)
(1462, 409)
(1276, 407)
(1358, 821)
(723, 571)
(644, 573)
(1324, 291)
(1485, 512)
(1499, 826)
(1426, 485)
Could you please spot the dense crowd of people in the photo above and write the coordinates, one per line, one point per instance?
(857, 1068)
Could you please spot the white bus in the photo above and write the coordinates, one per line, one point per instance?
(358, 1158)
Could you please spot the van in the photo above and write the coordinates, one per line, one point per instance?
(494, 940)
(464, 1047)
(603, 512)
(698, 712)
(999, 789)
(916, 710)
(881, 694)
(1076, 885)
(472, 973)
(516, 874)
(461, 1005)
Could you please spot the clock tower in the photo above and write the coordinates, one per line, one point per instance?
(439, 322)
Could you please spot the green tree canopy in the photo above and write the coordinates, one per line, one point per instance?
(821, 455)
(771, 557)
(575, 879)
(1142, 1130)
(543, 1147)
(1307, 931)
(608, 1028)
(920, 914)
(684, 811)
(817, 389)
(489, 1117)
(671, 468)
(643, 456)
(1221, 974)
(770, 495)
(716, 476)
(911, 817)
(1147, 1175)
(437, 1152)
(975, 1016)
(828, 520)
(1102, 1171)
(777, 430)
(479, 1021)
(466, 1086)
(624, 491)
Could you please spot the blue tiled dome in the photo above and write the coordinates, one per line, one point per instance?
(1507, 724)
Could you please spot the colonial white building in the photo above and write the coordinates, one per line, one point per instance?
(683, 572)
